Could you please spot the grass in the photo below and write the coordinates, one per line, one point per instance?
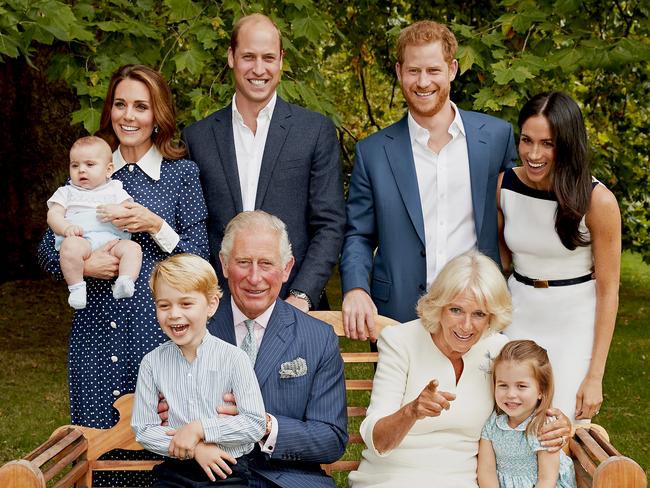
(36, 319)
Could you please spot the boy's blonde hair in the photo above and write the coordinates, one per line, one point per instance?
(531, 354)
(187, 273)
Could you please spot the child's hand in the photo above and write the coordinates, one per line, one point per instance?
(185, 440)
(213, 460)
(73, 230)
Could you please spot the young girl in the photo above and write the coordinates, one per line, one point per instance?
(510, 456)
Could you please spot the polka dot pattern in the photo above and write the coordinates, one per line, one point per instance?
(109, 337)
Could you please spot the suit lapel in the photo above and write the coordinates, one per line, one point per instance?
(278, 335)
(222, 325)
(223, 136)
(400, 157)
(278, 131)
(478, 151)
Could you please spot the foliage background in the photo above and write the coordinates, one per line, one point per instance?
(56, 59)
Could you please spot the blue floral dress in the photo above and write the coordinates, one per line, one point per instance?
(516, 455)
(109, 337)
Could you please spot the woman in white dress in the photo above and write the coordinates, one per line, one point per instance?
(432, 390)
(561, 229)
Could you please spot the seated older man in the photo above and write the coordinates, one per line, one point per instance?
(296, 357)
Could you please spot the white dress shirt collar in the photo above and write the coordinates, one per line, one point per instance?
(239, 317)
(149, 163)
(420, 135)
(266, 112)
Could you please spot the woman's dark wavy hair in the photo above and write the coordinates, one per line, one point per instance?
(571, 177)
(164, 113)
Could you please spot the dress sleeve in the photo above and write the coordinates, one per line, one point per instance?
(488, 429)
(534, 443)
(388, 385)
(48, 257)
(60, 196)
(191, 215)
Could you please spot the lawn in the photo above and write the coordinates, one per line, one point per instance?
(33, 342)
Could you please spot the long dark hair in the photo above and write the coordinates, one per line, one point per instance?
(571, 177)
(164, 114)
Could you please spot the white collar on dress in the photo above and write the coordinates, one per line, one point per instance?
(149, 163)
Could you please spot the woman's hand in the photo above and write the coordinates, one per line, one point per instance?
(131, 217)
(553, 435)
(101, 263)
(589, 398)
(431, 402)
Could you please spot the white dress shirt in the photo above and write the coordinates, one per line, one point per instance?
(166, 238)
(445, 194)
(249, 149)
(261, 322)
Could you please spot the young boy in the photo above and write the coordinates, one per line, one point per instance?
(193, 371)
(72, 217)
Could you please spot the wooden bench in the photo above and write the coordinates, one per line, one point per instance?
(71, 454)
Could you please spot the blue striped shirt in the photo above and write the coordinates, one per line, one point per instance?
(194, 391)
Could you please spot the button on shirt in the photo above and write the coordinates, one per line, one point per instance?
(445, 194)
(249, 149)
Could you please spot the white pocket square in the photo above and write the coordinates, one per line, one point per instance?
(293, 369)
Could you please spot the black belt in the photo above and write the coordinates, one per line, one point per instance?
(546, 283)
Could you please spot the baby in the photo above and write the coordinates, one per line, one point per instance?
(72, 217)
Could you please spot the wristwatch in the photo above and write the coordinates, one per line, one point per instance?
(301, 294)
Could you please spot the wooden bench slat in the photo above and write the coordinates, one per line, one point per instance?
(357, 385)
(359, 357)
(58, 447)
(75, 474)
(66, 459)
(591, 445)
(580, 455)
(122, 465)
(357, 411)
(604, 443)
(58, 436)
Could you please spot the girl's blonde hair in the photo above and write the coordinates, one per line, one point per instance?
(530, 354)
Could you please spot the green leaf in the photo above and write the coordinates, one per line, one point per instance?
(467, 56)
(89, 117)
(8, 46)
(310, 28)
(191, 59)
(182, 9)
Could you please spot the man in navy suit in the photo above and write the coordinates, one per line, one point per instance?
(422, 190)
(296, 357)
(261, 152)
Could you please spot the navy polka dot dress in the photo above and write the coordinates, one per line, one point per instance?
(109, 337)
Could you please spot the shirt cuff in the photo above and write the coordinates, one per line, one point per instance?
(166, 238)
(211, 431)
(268, 445)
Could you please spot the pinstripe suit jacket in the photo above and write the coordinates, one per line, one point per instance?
(310, 409)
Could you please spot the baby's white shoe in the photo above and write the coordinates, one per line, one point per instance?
(124, 287)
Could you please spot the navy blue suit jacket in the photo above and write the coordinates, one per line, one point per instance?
(384, 212)
(311, 409)
(299, 182)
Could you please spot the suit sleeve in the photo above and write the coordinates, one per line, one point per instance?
(510, 156)
(360, 233)
(321, 436)
(326, 217)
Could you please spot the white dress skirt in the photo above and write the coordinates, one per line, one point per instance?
(559, 318)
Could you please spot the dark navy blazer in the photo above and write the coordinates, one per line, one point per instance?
(384, 250)
(310, 409)
(299, 182)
